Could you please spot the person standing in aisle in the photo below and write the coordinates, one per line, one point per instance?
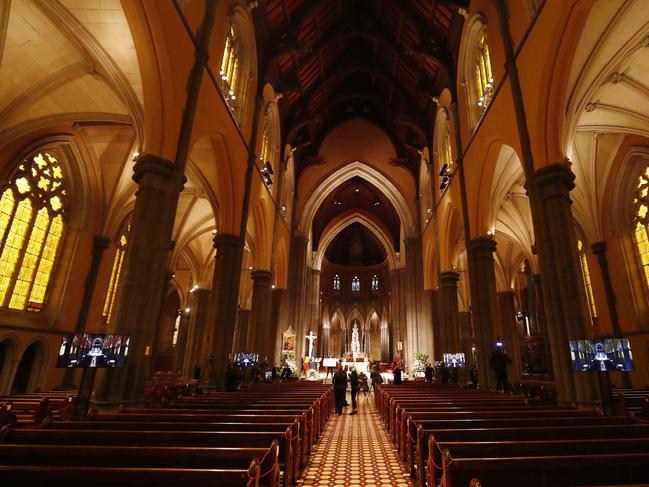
(353, 380)
(340, 389)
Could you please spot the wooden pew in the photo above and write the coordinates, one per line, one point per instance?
(246, 439)
(154, 415)
(537, 448)
(416, 451)
(548, 471)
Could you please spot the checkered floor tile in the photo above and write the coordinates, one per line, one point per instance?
(355, 451)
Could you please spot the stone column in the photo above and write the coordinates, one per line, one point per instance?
(99, 245)
(241, 331)
(563, 290)
(599, 249)
(143, 276)
(420, 328)
(467, 338)
(224, 295)
(259, 338)
(448, 313)
(511, 336)
(484, 306)
(181, 344)
(195, 354)
(311, 317)
(297, 289)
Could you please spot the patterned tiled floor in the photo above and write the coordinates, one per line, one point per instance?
(355, 451)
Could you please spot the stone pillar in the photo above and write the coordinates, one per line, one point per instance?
(448, 313)
(420, 327)
(281, 319)
(259, 338)
(181, 344)
(297, 289)
(311, 315)
(224, 295)
(241, 331)
(484, 306)
(195, 349)
(563, 290)
(398, 312)
(99, 245)
(599, 249)
(139, 295)
(511, 336)
(467, 338)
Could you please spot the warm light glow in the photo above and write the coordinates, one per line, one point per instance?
(483, 76)
(230, 71)
(115, 274)
(31, 226)
(641, 217)
(588, 286)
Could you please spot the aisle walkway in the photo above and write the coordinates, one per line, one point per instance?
(355, 451)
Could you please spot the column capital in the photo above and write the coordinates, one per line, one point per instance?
(554, 179)
(509, 292)
(483, 243)
(261, 277)
(150, 163)
(598, 248)
(226, 240)
(449, 278)
(99, 244)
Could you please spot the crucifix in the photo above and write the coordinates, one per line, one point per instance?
(311, 337)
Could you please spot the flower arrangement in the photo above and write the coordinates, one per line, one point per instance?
(421, 359)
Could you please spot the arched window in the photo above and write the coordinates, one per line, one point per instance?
(483, 76)
(585, 274)
(443, 149)
(478, 78)
(356, 284)
(336, 282)
(115, 274)
(174, 338)
(231, 71)
(375, 282)
(269, 150)
(31, 227)
(641, 220)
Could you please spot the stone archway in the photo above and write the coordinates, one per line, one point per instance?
(29, 372)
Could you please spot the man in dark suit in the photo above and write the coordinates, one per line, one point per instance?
(340, 389)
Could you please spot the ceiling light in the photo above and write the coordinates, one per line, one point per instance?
(377, 203)
(357, 189)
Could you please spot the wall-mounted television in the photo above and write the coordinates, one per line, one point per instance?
(93, 350)
(246, 359)
(454, 359)
(601, 355)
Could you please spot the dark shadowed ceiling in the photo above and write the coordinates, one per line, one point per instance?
(356, 246)
(353, 195)
(381, 60)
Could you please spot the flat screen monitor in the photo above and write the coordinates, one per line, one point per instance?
(329, 362)
(246, 359)
(93, 350)
(601, 355)
(454, 359)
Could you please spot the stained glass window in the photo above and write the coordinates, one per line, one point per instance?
(483, 76)
(174, 338)
(641, 220)
(230, 71)
(375, 282)
(336, 282)
(115, 274)
(588, 286)
(31, 226)
(356, 284)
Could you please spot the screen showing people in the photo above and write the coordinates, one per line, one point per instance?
(246, 359)
(93, 350)
(454, 359)
(601, 355)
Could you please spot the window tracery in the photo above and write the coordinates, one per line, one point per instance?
(115, 275)
(483, 75)
(641, 221)
(231, 71)
(356, 284)
(375, 282)
(336, 282)
(588, 286)
(31, 227)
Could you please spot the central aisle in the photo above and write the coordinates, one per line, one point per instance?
(355, 451)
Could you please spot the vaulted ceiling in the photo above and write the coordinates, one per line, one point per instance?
(356, 246)
(381, 60)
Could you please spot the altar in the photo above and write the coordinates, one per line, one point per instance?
(356, 358)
